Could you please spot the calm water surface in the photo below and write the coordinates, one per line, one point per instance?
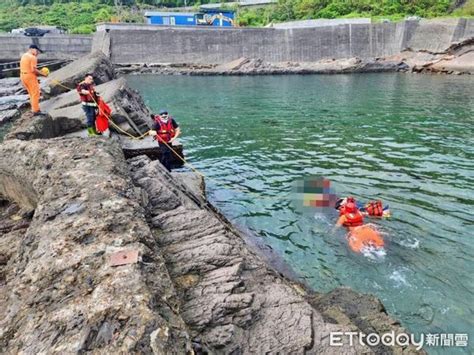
(405, 139)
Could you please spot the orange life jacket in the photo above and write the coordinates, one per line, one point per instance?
(166, 130)
(374, 208)
(353, 219)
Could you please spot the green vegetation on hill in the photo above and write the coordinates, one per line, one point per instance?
(76, 16)
(80, 16)
(288, 10)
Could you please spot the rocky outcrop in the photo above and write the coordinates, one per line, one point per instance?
(148, 146)
(70, 75)
(249, 66)
(194, 285)
(60, 293)
(363, 313)
(12, 98)
(457, 59)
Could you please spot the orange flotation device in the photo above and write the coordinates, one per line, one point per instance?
(374, 208)
(101, 121)
(353, 219)
(352, 216)
(364, 236)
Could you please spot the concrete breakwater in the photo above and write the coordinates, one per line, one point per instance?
(70, 205)
(138, 44)
(440, 45)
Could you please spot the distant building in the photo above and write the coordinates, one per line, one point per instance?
(207, 17)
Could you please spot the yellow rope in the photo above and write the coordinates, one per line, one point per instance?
(185, 162)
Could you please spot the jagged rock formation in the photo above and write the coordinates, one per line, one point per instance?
(195, 280)
(256, 66)
(12, 98)
(232, 301)
(70, 75)
(457, 59)
(60, 294)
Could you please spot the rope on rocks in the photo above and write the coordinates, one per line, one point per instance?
(185, 162)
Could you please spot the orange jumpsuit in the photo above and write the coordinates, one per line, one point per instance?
(29, 79)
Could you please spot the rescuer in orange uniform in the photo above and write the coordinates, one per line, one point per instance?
(29, 77)
(360, 236)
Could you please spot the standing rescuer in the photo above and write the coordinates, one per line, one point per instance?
(165, 130)
(89, 100)
(29, 77)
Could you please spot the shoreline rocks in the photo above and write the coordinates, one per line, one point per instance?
(60, 291)
(60, 81)
(12, 98)
(246, 66)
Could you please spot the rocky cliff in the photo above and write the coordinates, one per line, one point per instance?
(99, 254)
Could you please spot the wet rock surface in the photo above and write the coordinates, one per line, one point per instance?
(149, 147)
(365, 313)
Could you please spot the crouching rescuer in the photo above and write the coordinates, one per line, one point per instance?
(89, 100)
(165, 131)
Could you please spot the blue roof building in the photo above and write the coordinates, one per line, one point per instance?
(207, 17)
(171, 18)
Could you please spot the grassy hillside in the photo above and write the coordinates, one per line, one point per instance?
(80, 16)
(287, 10)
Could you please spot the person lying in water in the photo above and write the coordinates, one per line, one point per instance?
(360, 235)
(370, 209)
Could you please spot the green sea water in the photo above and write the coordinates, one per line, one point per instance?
(405, 139)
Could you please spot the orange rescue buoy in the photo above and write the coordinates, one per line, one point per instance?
(364, 236)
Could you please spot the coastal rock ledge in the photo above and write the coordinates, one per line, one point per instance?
(104, 255)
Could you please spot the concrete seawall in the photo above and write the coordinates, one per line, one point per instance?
(151, 44)
(55, 46)
(145, 44)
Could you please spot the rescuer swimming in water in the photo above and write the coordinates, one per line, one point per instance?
(360, 236)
